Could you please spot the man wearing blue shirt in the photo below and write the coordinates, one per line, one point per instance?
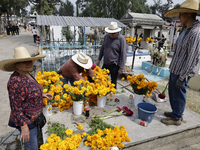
(114, 52)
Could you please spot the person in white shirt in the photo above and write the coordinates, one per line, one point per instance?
(34, 34)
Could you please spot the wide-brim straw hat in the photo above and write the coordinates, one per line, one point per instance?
(113, 28)
(82, 60)
(21, 54)
(189, 6)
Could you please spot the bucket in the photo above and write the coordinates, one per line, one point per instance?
(77, 107)
(101, 101)
(137, 99)
(47, 110)
(146, 111)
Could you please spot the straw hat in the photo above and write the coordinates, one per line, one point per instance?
(113, 28)
(82, 60)
(21, 54)
(189, 6)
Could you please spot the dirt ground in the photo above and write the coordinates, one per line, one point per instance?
(193, 96)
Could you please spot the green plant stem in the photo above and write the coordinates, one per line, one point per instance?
(113, 115)
(165, 89)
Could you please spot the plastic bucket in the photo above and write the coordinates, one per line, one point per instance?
(77, 107)
(101, 101)
(146, 111)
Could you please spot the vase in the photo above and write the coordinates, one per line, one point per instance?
(147, 46)
(77, 107)
(47, 110)
(101, 101)
(137, 99)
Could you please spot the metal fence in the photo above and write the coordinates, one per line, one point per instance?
(58, 52)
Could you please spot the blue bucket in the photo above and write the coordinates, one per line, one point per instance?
(146, 111)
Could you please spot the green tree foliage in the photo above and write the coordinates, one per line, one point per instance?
(13, 7)
(42, 6)
(160, 9)
(67, 9)
(110, 8)
(49, 8)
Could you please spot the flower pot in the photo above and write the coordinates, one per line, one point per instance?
(77, 107)
(47, 110)
(101, 101)
(137, 99)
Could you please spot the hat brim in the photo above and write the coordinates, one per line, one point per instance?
(85, 66)
(175, 12)
(112, 31)
(9, 64)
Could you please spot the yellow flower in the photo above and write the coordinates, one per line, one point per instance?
(69, 131)
(80, 127)
(44, 90)
(121, 145)
(122, 79)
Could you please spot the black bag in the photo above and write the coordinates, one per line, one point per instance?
(39, 120)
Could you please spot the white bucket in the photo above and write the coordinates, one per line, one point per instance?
(101, 101)
(138, 99)
(77, 107)
(47, 110)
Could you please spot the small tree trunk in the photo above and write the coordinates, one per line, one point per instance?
(42, 13)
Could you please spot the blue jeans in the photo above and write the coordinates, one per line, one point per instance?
(113, 71)
(32, 144)
(65, 80)
(177, 97)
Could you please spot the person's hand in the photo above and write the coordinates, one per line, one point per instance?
(47, 95)
(25, 134)
(120, 72)
(180, 84)
(98, 62)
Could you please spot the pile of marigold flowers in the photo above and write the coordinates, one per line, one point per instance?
(72, 142)
(140, 85)
(51, 84)
(108, 138)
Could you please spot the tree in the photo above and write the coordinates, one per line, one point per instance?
(160, 9)
(67, 9)
(111, 8)
(49, 8)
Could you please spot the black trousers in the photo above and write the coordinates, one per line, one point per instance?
(34, 37)
(113, 72)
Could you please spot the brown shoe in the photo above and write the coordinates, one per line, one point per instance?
(169, 114)
(171, 121)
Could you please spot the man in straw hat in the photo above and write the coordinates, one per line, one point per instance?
(25, 95)
(186, 60)
(114, 52)
(72, 68)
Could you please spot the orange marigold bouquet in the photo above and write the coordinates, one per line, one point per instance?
(101, 84)
(51, 84)
(140, 85)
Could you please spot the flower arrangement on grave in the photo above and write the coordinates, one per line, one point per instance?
(158, 58)
(140, 85)
(131, 40)
(51, 84)
(150, 40)
(101, 84)
(62, 138)
(81, 91)
(99, 138)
